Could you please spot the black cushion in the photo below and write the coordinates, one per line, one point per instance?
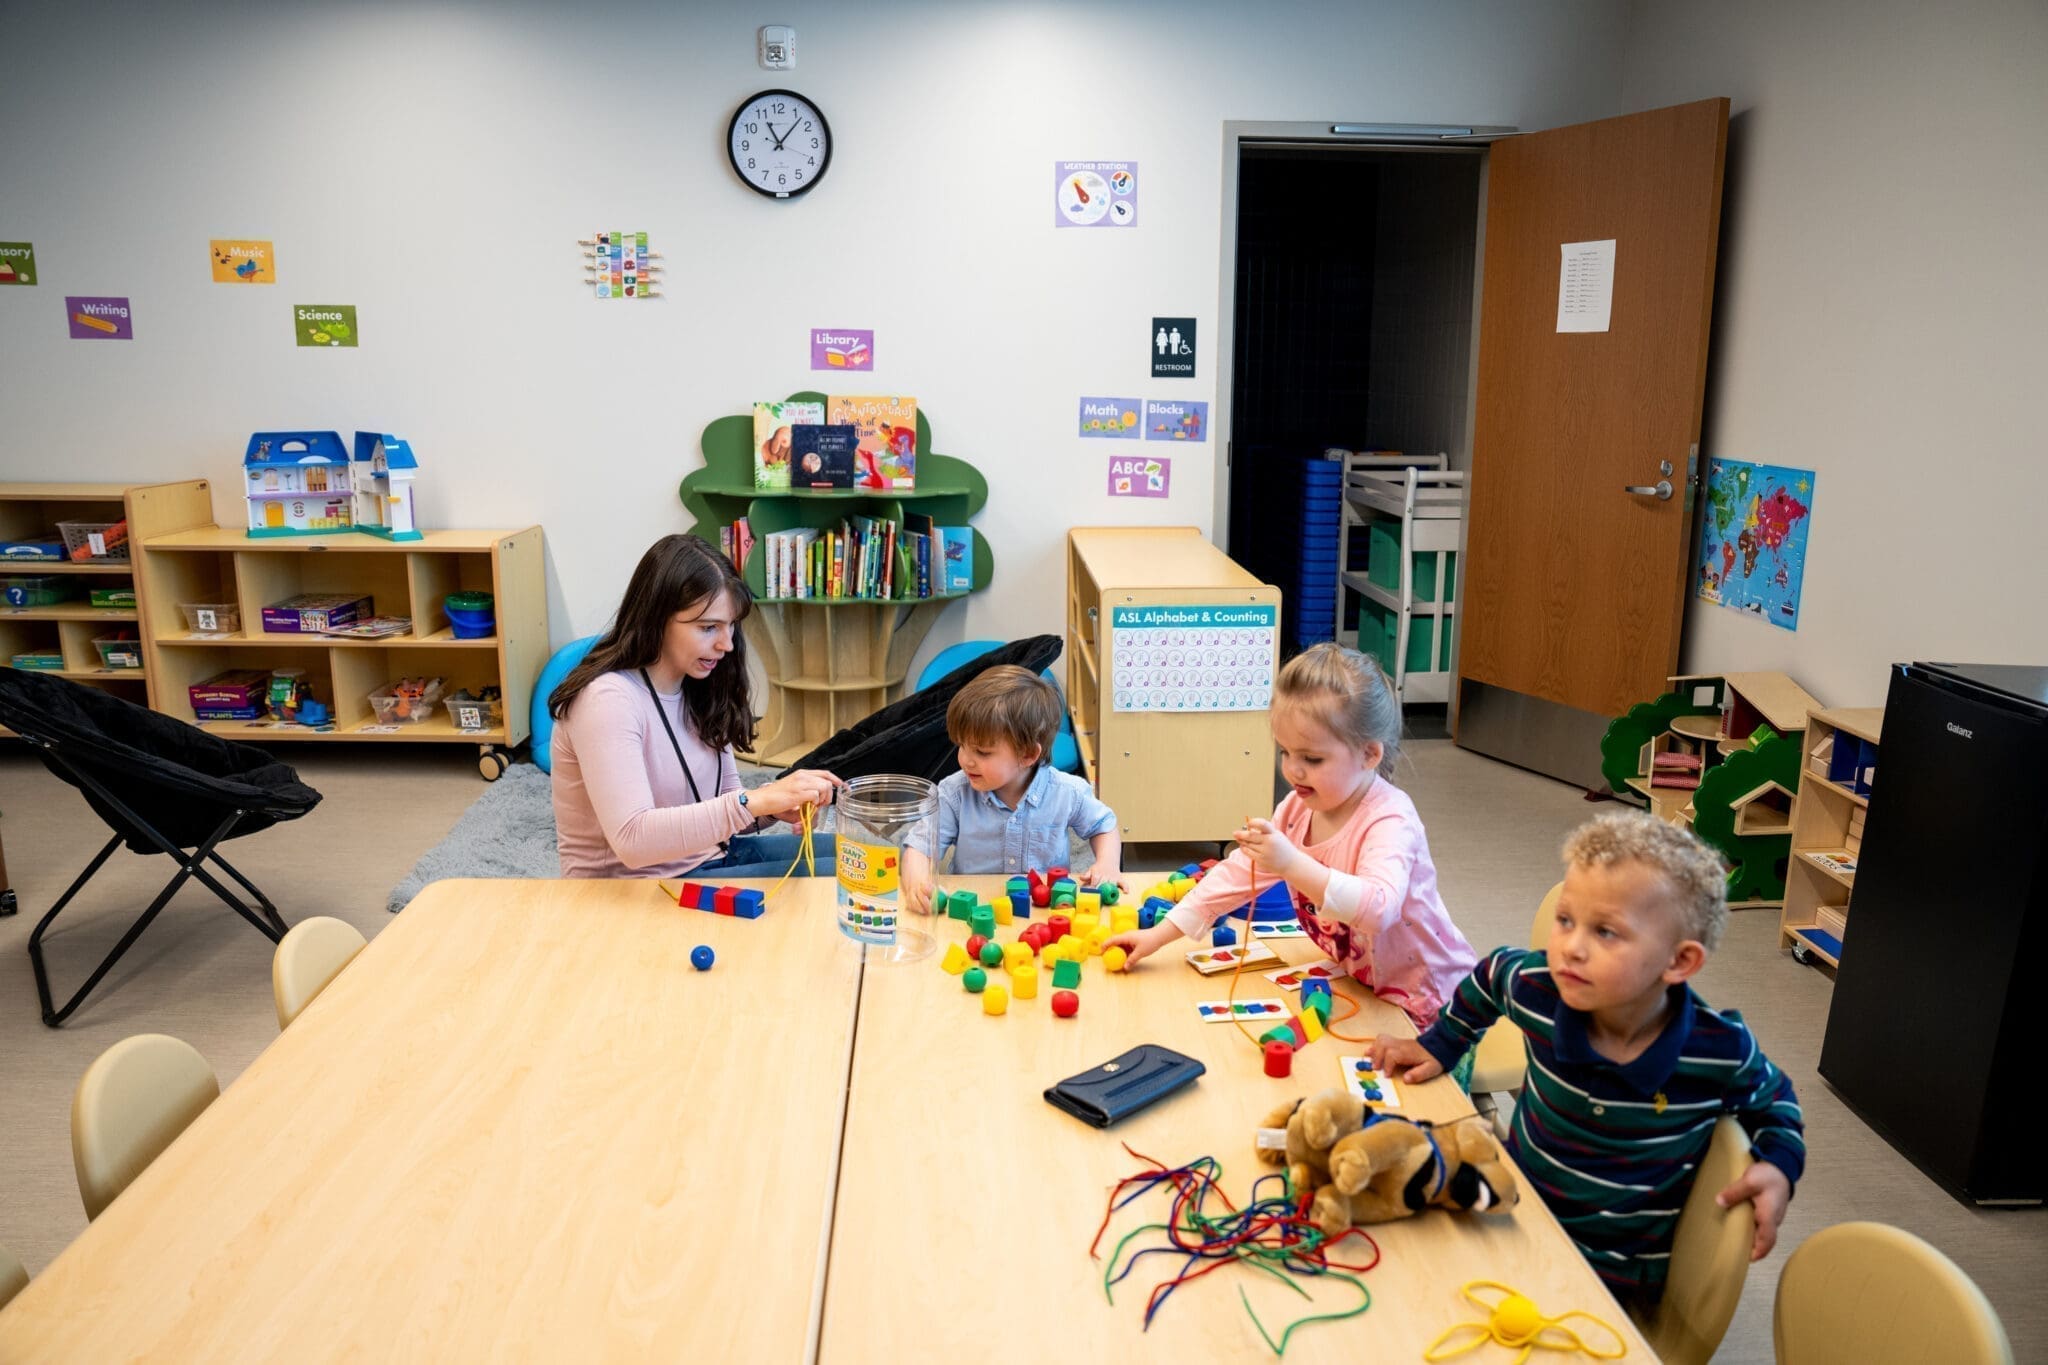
(174, 776)
(909, 736)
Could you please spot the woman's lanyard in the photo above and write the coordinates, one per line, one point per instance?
(674, 743)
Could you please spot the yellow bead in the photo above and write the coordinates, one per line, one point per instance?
(995, 1000)
(1113, 958)
(1024, 982)
(1004, 914)
(1516, 1320)
(955, 960)
(1085, 922)
(1088, 902)
(1311, 1025)
(1098, 938)
(1015, 955)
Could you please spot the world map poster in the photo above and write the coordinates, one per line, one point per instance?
(1753, 550)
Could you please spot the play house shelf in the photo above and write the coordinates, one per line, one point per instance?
(829, 661)
(1840, 749)
(69, 626)
(1694, 757)
(220, 565)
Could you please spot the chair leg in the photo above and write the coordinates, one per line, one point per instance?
(269, 910)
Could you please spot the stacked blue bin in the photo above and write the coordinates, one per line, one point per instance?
(1311, 591)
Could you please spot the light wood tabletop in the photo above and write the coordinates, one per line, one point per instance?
(518, 1126)
(967, 1203)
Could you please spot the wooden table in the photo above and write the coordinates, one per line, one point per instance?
(968, 1202)
(519, 1126)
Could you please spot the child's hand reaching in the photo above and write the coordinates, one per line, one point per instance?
(1101, 876)
(1139, 944)
(1768, 1191)
(1269, 849)
(916, 882)
(1405, 1058)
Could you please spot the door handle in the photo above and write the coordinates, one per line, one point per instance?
(1661, 490)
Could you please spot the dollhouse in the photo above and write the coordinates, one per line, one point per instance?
(299, 483)
(384, 467)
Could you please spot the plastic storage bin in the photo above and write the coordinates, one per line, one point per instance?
(474, 715)
(1377, 628)
(89, 540)
(394, 709)
(1384, 565)
(208, 618)
(39, 590)
(118, 651)
(471, 615)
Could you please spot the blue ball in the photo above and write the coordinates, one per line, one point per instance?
(1223, 937)
(701, 957)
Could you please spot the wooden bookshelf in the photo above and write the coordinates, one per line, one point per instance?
(1839, 756)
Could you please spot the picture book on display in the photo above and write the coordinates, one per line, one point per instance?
(888, 438)
(823, 456)
(867, 557)
(774, 434)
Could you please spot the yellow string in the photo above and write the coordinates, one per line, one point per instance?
(805, 854)
(1518, 1324)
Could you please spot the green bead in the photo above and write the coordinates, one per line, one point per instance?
(1066, 974)
(992, 953)
(974, 978)
(1110, 892)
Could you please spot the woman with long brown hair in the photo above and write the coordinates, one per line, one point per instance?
(645, 728)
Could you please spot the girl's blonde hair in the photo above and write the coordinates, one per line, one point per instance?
(1348, 692)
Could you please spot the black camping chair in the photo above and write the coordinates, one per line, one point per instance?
(909, 735)
(161, 785)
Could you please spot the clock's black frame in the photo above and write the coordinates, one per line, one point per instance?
(733, 160)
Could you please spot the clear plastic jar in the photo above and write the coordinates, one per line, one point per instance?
(878, 817)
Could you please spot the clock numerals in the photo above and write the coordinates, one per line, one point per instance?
(797, 149)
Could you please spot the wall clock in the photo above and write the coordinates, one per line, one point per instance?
(779, 144)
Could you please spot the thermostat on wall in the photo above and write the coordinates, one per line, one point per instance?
(778, 47)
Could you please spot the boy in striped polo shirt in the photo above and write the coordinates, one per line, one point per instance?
(1628, 1069)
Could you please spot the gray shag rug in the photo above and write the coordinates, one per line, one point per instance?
(510, 832)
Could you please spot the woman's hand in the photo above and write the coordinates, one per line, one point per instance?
(790, 794)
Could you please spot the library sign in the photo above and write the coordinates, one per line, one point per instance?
(1194, 657)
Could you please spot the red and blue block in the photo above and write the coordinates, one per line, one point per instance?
(738, 902)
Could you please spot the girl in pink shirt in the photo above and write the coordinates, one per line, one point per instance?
(645, 727)
(1347, 842)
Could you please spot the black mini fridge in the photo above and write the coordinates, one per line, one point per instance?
(1934, 1032)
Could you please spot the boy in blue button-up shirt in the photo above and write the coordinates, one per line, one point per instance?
(1008, 811)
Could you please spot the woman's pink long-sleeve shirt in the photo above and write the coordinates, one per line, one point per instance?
(622, 806)
(1382, 919)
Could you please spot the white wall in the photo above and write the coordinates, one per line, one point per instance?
(1880, 316)
(435, 164)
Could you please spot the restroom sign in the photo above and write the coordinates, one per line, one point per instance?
(1173, 348)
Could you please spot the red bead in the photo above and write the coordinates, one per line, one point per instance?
(1058, 926)
(1065, 1004)
(1279, 1057)
(724, 899)
(974, 942)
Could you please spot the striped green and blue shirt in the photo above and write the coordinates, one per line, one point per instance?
(1612, 1147)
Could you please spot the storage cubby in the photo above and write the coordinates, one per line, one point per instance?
(409, 578)
(1840, 759)
(59, 616)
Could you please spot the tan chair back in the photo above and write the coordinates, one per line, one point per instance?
(13, 1276)
(307, 958)
(1875, 1294)
(1546, 915)
(132, 1102)
(1709, 1257)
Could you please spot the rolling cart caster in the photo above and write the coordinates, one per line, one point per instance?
(8, 905)
(1802, 954)
(491, 763)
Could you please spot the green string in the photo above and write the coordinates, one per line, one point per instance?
(1280, 1348)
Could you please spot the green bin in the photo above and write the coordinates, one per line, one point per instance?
(1383, 564)
(1377, 630)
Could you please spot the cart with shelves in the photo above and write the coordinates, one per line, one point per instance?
(1411, 509)
(218, 577)
(1840, 761)
(829, 662)
(1169, 775)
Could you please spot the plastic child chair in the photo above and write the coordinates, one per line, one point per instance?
(1876, 1294)
(1709, 1257)
(542, 725)
(1502, 1060)
(132, 1102)
(307, 958)
(13, 1276)
(1066, 755)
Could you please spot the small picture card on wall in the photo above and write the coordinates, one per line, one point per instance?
(98, 318)
(1176, 421)
(1173, 348)
(1139, 477)
(324, 324)
(1111, 418)
(842, 348)
(239, 262)
(1094, 193)
(17, 263)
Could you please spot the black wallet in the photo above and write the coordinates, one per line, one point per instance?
(1116, 1090)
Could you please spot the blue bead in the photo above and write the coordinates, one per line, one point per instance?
(701, 957)
(1223, 936)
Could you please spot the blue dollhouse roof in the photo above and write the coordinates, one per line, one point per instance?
(292, 449)
(397, 453)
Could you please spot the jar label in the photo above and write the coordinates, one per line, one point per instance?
(869, 876)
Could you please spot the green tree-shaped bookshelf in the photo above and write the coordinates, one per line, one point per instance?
(829, 661)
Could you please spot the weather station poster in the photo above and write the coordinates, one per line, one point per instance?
(1094, 193)
(324, 324)
(1115, 419)
(1193, 658)
(1753, 546)
(237, 262)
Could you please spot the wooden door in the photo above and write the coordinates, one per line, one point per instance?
(1575, 589)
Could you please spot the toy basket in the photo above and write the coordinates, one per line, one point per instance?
(475, 716)
(38, 590)
(95, 540)
(209, 618)
(471, 615)
(393, 709)
(119, 651)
